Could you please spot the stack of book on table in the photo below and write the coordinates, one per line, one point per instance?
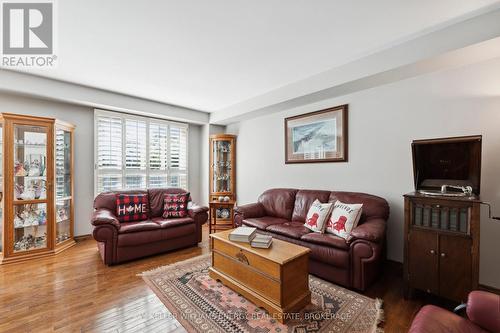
(262, 241)
(250, 235)
(243, 234)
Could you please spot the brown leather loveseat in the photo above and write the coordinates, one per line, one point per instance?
(119, 241)
(354, 263)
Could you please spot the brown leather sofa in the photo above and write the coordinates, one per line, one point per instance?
(118, 241)
(354, 263)
(483, 315)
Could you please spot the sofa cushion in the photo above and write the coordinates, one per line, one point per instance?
(263, 222)
(321, 253)
(180, 230)
(107, 199)
(278, 202)
(172, 222)
(317, 216)
(373, 206)
(128, 227)
(290, 229)
(138, 238)
(343, 219)
(132, 207)
(176, 205)
(157, 199)
(156, 235)
(304, 199)
(326, 240)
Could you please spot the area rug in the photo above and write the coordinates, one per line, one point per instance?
(202, 304)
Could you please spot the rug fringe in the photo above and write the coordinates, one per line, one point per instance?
(380, 316)
(170, 266)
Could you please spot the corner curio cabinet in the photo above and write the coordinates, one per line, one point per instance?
(223, 173)
(36, 179)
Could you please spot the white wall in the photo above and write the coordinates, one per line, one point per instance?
(83, 118)
(382, 123)
(195, 162)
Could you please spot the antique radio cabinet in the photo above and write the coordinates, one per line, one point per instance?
(442, 218)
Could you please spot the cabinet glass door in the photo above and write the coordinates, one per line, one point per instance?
(1, 187)
(30, 187)
(63, 188)
(222, 166)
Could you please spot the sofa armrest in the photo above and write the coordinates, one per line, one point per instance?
(200, 216)
(372, 230)
(483, 309)
(196, 211)
(250, 211)
(104, 216)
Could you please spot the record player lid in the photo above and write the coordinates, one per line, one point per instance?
(447, 161)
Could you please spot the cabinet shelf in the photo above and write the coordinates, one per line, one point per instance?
(30, 145)
(30, 201)
(31, 177)
(31, 226)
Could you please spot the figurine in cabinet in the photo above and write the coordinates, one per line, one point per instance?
(442, 218)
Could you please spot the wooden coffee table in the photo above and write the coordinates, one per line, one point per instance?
(276, 279)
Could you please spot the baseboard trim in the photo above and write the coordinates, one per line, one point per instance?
(394, 262)
(82, 237)
(489, 289)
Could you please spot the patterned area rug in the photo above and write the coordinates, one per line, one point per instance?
(202, 304)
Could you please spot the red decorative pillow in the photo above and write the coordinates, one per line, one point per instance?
(131, 207)
(175, 205)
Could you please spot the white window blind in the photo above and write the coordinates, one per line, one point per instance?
(137, 152)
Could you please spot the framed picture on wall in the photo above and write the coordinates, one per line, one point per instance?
(319, 136)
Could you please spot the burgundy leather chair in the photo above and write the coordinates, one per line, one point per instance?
(118, 242)
(354, 263)
(483, 312)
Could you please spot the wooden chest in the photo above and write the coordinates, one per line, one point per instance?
(276, 279)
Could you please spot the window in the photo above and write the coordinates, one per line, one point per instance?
(134, 152)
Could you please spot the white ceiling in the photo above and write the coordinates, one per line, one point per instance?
(208, 55)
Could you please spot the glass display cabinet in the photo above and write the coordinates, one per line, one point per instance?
(222, 180)
(37, 187)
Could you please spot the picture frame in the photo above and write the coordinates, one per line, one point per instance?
(319, 136)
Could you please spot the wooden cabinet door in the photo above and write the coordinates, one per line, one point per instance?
(455, 272)
(423, 261)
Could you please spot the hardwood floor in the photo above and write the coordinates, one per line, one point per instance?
(76, 292)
